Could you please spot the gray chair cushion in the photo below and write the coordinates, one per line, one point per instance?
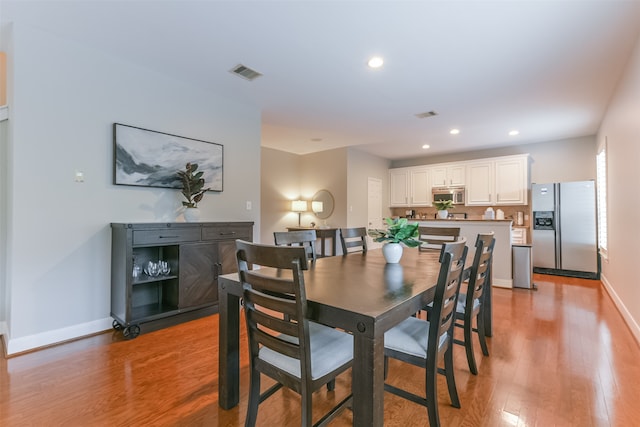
(462, 303)
(410, 337)
(330, 349)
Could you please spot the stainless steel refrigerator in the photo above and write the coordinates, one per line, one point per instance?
(564, 229)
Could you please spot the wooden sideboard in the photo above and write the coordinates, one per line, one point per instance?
(196, 254)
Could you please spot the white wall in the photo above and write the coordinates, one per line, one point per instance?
(621, 131)
(65, 98)
(361, 167)
(280, 183)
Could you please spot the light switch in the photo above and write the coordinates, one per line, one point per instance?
(79, 176)
(248, 205)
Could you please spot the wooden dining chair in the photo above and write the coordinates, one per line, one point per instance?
(424, 344)
(283, 344)
(435, 237)
(353, 240)
(470, 304)
(306, 238)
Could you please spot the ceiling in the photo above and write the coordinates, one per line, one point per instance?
(545, 68)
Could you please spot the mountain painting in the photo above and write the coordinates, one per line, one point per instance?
(152, 159)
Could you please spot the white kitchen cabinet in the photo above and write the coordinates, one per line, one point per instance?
(420, 187)
(498, 181)
(409, 187)
(480, 183)
(511, 181)
(447, 175)
(399, 187)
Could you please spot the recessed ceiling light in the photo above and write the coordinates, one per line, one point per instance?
(454, 131)
(425, 146)
(375, 62)
(514, 132)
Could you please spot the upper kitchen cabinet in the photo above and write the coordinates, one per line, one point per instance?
(512, 180)
(447, 175)
(409, 187)
(498, 181)
(481, 183)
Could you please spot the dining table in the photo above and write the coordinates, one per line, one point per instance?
(359, 293)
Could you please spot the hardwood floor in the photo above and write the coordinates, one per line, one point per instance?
(560, 355)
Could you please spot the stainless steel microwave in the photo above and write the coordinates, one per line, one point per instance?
(456, 194)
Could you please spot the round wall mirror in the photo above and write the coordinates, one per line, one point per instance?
(322, 204)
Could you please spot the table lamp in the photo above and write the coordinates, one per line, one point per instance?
(299, 206)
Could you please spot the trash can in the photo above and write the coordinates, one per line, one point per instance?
(522, 266)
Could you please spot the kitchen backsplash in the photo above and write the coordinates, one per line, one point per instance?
(473, 212)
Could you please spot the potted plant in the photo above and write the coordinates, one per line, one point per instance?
(443, 206)
(398, 232)
(192, 190)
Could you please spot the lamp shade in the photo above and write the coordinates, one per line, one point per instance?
(317, 206)
(298, 206)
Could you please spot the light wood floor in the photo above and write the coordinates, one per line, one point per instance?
(560, 356)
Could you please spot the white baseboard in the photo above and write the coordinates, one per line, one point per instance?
(628, 318)
(502, 283)
(31, 342)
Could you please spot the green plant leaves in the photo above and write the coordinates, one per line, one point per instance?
(192, 185)
(398, 231)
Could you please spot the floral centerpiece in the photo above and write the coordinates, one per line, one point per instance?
(398, 231)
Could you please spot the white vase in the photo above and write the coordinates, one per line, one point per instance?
(191, 214)
(392, 252)
(443, 214)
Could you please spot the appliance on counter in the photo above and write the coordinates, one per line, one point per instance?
(564, 234)
(455, 194)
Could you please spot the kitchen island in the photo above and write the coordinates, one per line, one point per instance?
(502, 255)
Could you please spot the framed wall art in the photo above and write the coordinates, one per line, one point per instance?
(148, 158)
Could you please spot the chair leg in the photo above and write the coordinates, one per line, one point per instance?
(468, 345)
(386, 367)
(481, 335)
(307, 408)
(254, 399)
(451, 381)
(432, 394)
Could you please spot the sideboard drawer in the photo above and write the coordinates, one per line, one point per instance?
(227, 232)
(166, 236)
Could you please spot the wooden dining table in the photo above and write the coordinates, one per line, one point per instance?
(359, 293)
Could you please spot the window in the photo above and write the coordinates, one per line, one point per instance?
(601, 181)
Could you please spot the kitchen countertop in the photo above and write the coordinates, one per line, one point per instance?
(459, 220)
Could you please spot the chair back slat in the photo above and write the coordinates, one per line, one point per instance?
(353, 240)
(452, 259)
(305, 238)
(435, 237)
(480, 269)
(275, 305)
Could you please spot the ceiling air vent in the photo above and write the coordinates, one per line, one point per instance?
(427, 114)
(245, 72)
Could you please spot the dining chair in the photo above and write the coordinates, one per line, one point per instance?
(470, 304)
(353, 240)
(306, 238)
(423, 343)
(283, 344)
(435, 237)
